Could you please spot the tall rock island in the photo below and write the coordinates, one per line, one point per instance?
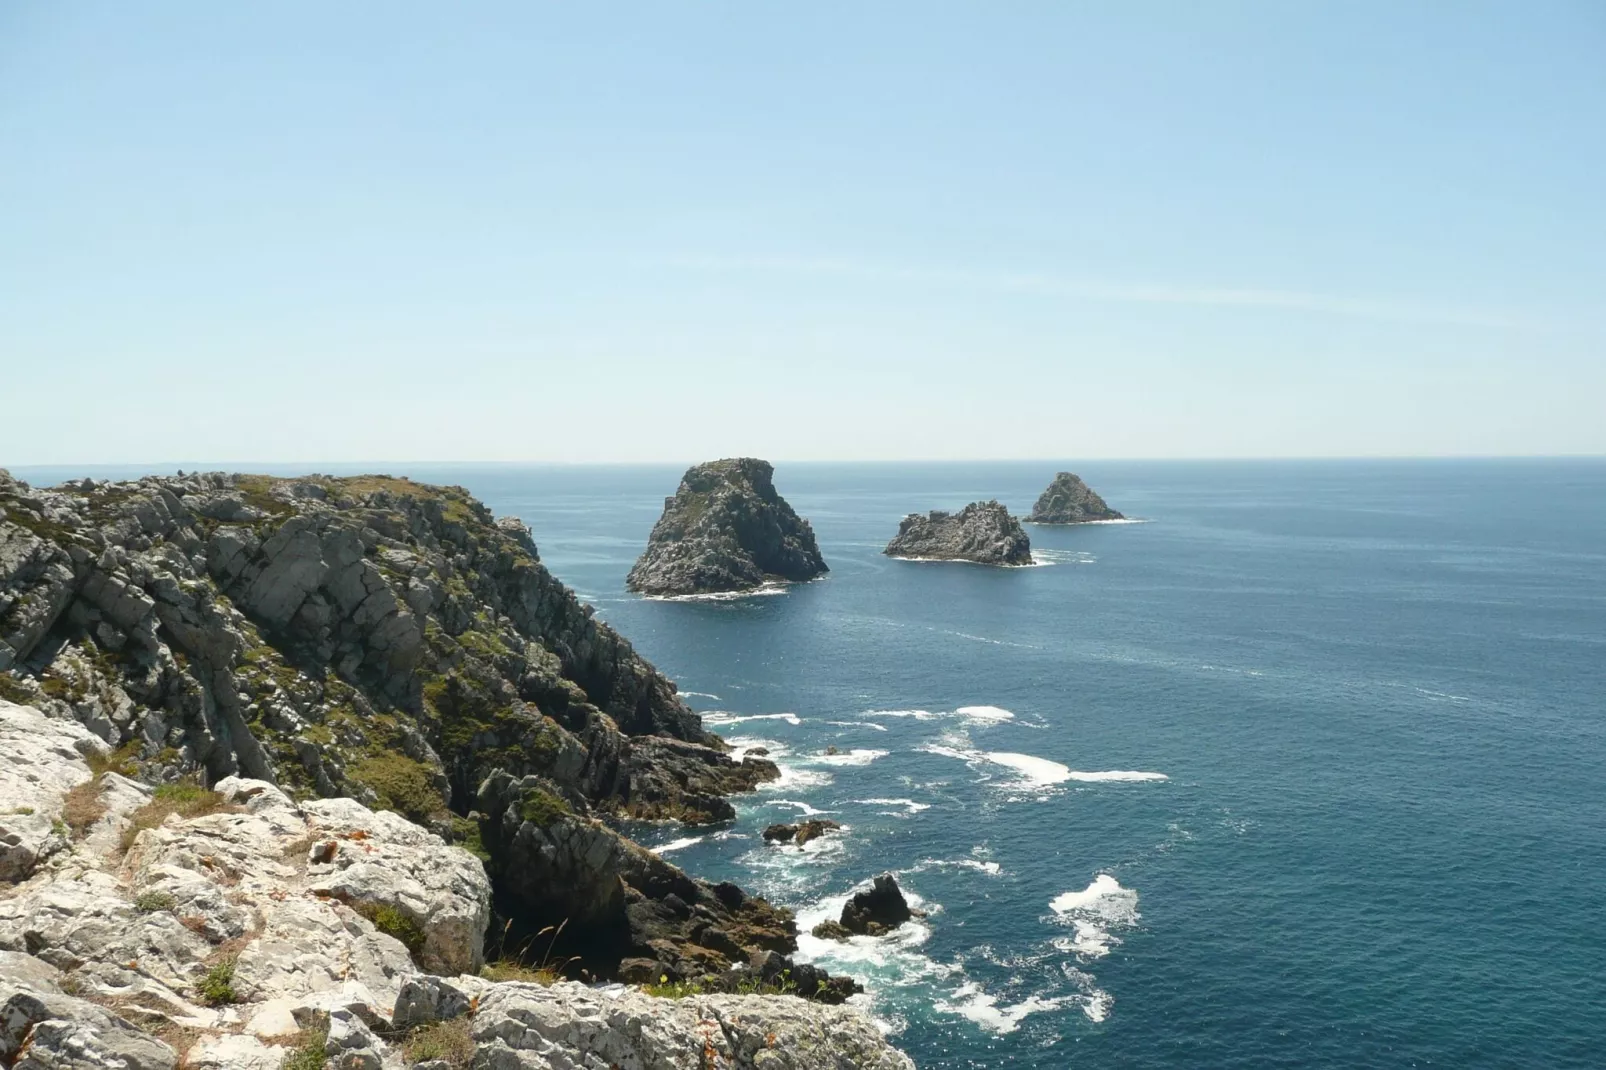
(982, 532)
(726, 529)
(1070, 501)
(298, 744)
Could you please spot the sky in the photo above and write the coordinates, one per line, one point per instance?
(829, 231)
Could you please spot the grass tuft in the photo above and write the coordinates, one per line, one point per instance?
(216, 988)
(185, 798)
(154, 901)
(451, 1042)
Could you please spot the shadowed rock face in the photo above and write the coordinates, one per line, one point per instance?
(726, 529)
(982, 532)
(1070, 501)
(385, 641)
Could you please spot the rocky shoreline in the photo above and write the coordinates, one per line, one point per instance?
(726, 529)
(981, 532)
(387, 646)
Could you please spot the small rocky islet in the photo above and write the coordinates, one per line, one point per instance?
(1068, 500)
(982, 532)
(298, 767)
(726, 529)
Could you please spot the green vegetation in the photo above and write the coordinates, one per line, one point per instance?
(541, 807)
(667, 989)
(185, 798)
(217, 987)
(466, 834)
(400, 783)
(119, 761)
(392, 922)
(12, 691)
(154, 901)
(307, 1050)
(449, 1041)
(23, 811)
(511, 970)
(257, 492)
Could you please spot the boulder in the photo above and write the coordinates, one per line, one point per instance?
(1070, 501)
(726, 529)
(879, 910)
(800, 833)
(981, 532)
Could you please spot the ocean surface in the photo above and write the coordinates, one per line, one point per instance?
(1305, 769)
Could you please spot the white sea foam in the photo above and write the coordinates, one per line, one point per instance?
(725, 717)
(1115, 774)
(1120, 520)
(1103, 898)
(804, 808)
(992, 869)
(911, 807)
(675, 845)
(969, 1001)
(985, 713)
(793, 777)
(859, 724)
(699, 694)
(851, 757)
(1094, 1001)
(1038, 772)
(919, 715)
(720, 596)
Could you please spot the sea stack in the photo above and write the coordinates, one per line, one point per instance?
(982, 532)
(1070, 501)
(726, 529)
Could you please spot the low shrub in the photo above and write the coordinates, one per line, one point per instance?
(449, 1041)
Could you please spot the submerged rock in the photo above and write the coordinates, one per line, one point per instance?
(800, 833)
(982, 532)
(1070, 501)
(726, 529)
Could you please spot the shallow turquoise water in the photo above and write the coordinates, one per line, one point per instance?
(1374, 689)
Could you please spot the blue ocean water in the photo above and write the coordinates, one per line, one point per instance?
(1374, 691)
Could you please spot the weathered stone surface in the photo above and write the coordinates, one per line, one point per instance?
(528, 1027)
(982, 532)
(726, 529)
(1070, 501)
(45, 761)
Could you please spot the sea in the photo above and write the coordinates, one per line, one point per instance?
(1302, 766)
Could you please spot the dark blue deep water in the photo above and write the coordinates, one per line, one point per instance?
(1374, 692)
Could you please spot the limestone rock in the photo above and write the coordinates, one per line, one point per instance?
(982, 532)
(1070, 501)
(45, 761)
(726, 529)
(528, 1027)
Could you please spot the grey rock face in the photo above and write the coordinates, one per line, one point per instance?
(1070, 501)
(726, 529)
(982, 532)
(527, 1027)
(105, 958)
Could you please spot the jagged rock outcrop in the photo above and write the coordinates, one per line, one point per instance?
(800, 833)
(375, 639)
(982, 532)
(233, 928)
(873, 912)
(1070, 501)
(726, 529)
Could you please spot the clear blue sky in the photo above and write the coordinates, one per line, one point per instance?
(543, 231)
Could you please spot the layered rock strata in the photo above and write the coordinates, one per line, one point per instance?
(982, 532)
(1070, 501)
(726, 529)
(387, 642)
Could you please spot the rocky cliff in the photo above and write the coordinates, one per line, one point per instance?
(982, 532)
(391, 643)
(1070, 501)
(726, 529)
(235, 928)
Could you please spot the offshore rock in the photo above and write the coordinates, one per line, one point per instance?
(982, 532)
(800, 833)
(726, 529)
(1070, 501)
(879, 910)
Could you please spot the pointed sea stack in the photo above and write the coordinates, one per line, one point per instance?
(726, 530)
(1070, 501)
(982, 532)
